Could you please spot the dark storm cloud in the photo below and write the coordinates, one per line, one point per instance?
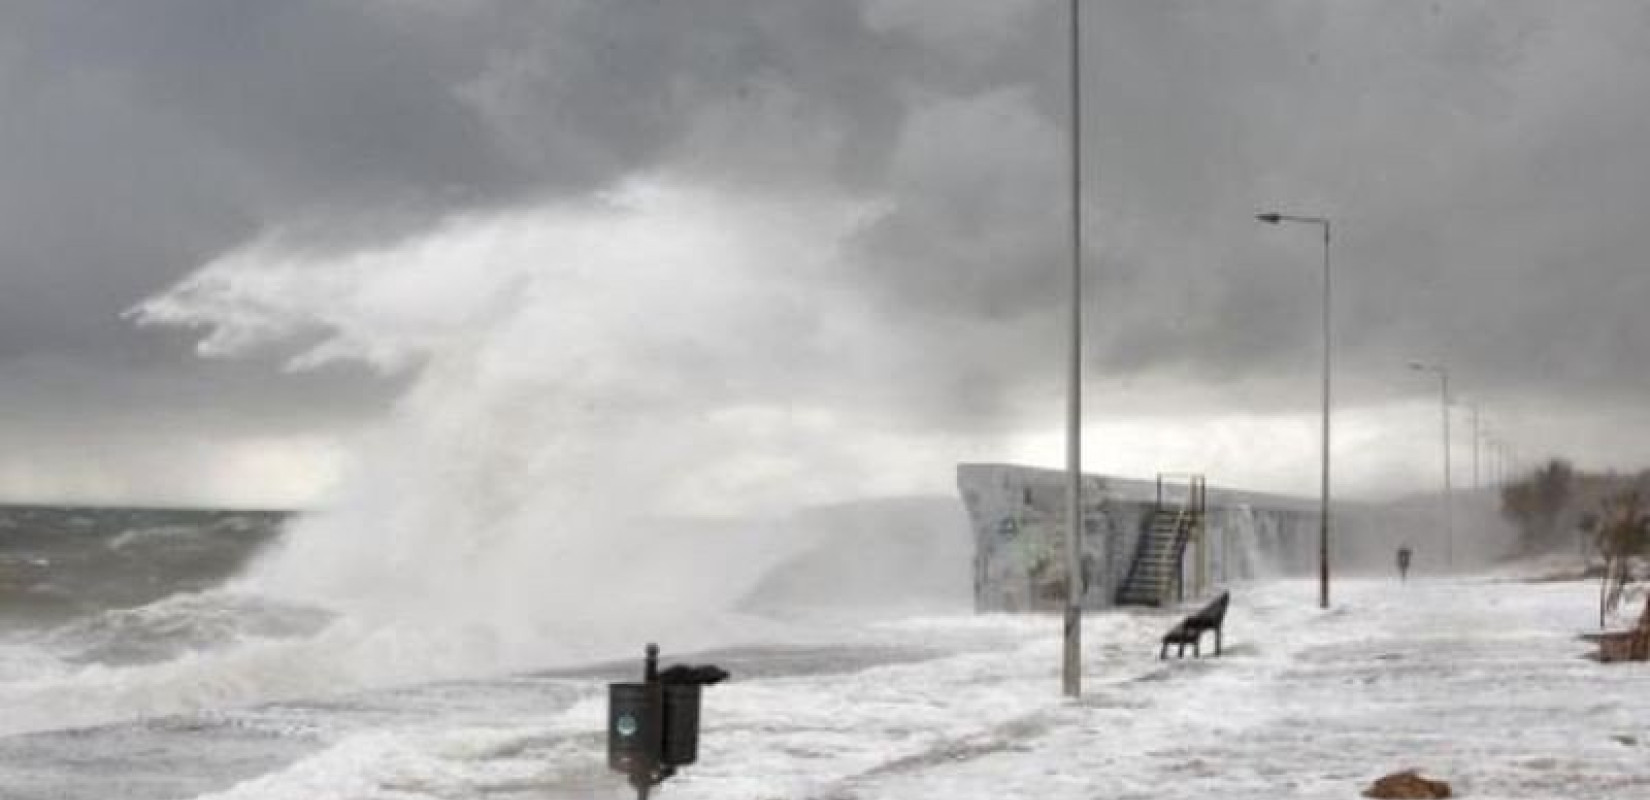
(142, 138)
(1482, 160)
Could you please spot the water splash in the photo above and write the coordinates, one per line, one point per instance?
(582, 376)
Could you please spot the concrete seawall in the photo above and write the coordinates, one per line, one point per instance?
(1017, 516)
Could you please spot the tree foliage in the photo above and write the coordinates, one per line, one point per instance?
(1624, 534)
(1542, 506)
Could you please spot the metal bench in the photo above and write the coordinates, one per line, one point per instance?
(1190, 630)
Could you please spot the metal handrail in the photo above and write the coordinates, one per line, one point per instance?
(1197, 489)
(1195, 506)
(1186, 515)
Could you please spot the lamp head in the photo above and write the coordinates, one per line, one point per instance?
(1270, 219)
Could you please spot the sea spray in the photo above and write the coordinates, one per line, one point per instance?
(582, 377)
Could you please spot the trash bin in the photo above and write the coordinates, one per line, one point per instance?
(681, 724)
(634, 735)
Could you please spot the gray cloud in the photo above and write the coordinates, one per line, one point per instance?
(1482, 161)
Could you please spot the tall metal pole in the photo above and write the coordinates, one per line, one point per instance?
(1476, 484)
(1494, 452)
(1071, 672)
(1449, 494)
(1323, 510)
(1498, 457)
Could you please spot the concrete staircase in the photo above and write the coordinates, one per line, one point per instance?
(1156, 567)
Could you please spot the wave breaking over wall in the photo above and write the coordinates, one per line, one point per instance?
(612, 412)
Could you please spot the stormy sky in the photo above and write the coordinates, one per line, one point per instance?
(1485, 164)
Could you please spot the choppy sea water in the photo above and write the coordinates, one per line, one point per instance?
(136, 661)
(187, 684)
(60, 565)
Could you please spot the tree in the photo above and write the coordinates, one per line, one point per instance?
(1541, 506)
(1623, 534)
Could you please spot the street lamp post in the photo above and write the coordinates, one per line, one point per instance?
(1323, 509)
(1486, 440)
(1503, 467)
(1477, 434)
(1071, 657)
(1449, 496)
(1498, 458)
(1497, 450)
(1503, 460)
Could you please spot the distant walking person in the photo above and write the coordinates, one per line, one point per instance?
(1403, 562)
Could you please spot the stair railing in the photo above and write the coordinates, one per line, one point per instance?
(1189, 521)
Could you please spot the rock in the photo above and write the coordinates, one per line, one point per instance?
(1407, 785)
(1631, 645)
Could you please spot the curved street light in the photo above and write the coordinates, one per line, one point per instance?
(1273, 218)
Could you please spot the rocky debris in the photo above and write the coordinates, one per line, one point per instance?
(1628, 645)
(1407, 785)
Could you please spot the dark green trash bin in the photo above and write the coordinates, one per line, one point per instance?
(681, 724)
(634, 735)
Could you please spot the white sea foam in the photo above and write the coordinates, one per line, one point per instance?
(595, 448)
(1306, 703)
(133, 536)
(578, 369)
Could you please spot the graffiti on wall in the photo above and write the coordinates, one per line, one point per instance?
(1018, 520)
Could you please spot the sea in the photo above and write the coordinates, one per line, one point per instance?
(140, 658)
